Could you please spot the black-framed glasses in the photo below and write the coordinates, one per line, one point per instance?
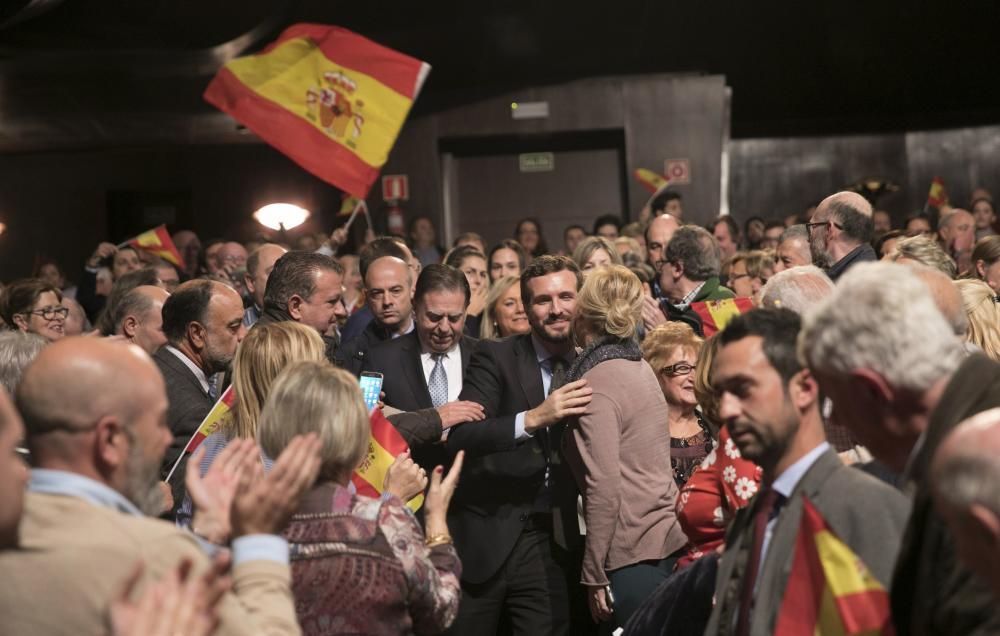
(675, 370)
(810, 226)
(50, 312)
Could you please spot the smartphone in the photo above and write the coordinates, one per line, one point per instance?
(371, 388)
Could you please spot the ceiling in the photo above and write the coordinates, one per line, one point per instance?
(112, 73)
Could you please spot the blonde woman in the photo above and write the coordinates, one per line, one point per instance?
(619, 451)
(359, 565)
(983, 311)
(504, 313)
(926, 251)
(595, 251)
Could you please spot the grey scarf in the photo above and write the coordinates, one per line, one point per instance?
(601, 350)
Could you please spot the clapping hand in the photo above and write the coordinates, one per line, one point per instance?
(213, 494)
(405, 479)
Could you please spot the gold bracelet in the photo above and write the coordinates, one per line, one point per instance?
(438, 539)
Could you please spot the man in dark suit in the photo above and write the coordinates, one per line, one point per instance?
(514, 513)
(770, 405)
(900, 379)
(389, 295)
(203, 323)
(424, 368)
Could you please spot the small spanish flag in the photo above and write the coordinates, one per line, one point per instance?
(332, 101)
(937, 196)
(157, 241)
(221, 413)
(830, 591)
(383, 447)
(650, 180)
(716, 314)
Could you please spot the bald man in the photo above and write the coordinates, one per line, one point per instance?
(259, 266)
(203, 324)
(840, 232)
(389, 296)
(139, 317)
(965, 473)
(94, 413)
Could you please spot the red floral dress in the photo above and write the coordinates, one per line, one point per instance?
(724, 483)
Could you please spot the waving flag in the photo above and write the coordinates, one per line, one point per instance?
(332, 101)
(220, 414)
(937, 196)
(650, 180)
(830, 591)
(383, 446)
(157, 241)
(716, 314)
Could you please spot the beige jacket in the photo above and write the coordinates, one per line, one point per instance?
(74, 557)
(619, 452)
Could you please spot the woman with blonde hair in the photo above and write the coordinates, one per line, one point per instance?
(504, 312)
(595, 251)
(359, 565)
(926, 251)
(983, 311)
(619, 451)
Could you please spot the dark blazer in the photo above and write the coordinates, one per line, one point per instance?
(867, 515)
(932, 592)
(188, 404)
(351, 356)
(405, 389)
(501, 477)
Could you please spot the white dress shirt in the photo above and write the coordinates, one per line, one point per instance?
(452, 360)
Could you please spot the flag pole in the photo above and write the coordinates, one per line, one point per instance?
(354, 213)
(184, 452)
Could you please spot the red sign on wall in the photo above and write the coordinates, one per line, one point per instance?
(677, 170)
(395, 187)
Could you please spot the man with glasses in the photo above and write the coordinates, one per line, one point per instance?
(840, 232)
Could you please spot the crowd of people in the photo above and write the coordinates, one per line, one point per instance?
(584, 451)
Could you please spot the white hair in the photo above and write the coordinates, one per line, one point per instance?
(797, 288)
(881, 317)
(17, 351)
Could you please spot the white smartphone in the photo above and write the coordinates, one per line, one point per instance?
(371, 388)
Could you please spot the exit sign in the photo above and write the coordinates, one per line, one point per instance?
(536, 162)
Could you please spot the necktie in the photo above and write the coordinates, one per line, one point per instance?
(437, 385)
(558, 368)
(770, 500)
(213, 386)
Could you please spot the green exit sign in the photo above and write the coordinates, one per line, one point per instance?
(536, 162)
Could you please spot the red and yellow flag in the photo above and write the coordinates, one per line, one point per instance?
(221, 413)
(830, 591)
(650, 180)
(332, 101)
(383, 447)
(157, 241)
(716, 314)
(937, 196)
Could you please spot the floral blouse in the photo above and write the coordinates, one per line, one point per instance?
(724, 483)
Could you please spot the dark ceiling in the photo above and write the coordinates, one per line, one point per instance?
(95, 73)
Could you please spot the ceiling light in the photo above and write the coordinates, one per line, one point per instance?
(281, 216)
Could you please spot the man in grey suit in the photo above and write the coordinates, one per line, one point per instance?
(770, 405)
(203, 323)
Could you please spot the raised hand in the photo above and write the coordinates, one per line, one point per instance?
(459, 412)
(652, 315)
(103, 251)
(439, 496)
(213, 494)
(566, 401)
(405, 479)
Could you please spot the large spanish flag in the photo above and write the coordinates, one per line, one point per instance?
(830, 591)
(157, 241)
(383, 447)
(716, 314)
(331, 100)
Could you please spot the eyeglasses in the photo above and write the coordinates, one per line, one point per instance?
(679, 369)
(810, 226)
(50, 312)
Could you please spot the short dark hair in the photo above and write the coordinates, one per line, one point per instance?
(889, 236)
(439, 277)
(132, 304)
(542, 248)
(20, 297)
(921, 215)
(545, 265)
(381, 246)
(458, 254)
(778, 328)
(573, 227)
(294, 274)
(853, 222)
(734, 229)
(696, 251)
(467, 236)
(121, 287)
(509, 244)
(660, 200)
(186, 305)
(607, 219)
(773, 223)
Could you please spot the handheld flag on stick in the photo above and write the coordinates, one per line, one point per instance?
(650, 180)
(157, 241)
(332, 101)
(830, 591)
(220, 413)
(716, 314)
(938, 195)
(383, 447)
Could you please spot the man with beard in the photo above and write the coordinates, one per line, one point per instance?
(514, 514)
(203, 323)
(94, 414)
(840, 233)
(770, 405)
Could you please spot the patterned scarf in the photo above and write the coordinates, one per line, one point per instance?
(602, 350)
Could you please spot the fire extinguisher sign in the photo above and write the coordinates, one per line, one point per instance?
(395, 187)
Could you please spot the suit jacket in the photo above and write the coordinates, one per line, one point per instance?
(502, 477)
(188, 404)
(74, 557)
(932, 592)
(351, 356)
(866, 514)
